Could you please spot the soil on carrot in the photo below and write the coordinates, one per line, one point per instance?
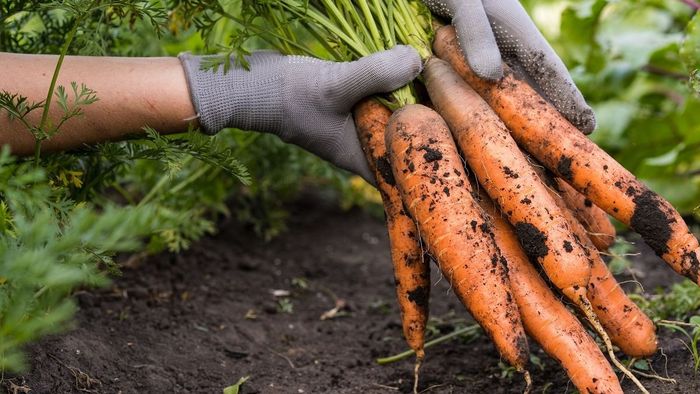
(234, 306)
(651, 221)
(532, 239)
(564, 168)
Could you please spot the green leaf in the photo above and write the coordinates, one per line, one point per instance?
(677, 303)
(579, 23)
(687, 120)
(641, 365)
(690, 49)
(235, 388)
(667, 158)
(614, 117)
(62, 97)
(695, 80)
(635, 38)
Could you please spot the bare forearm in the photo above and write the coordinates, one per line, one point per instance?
(132, 92)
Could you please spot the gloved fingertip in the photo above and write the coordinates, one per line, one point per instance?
(384, 71)
(483, 56)
(408, 60)
(487, 67)
(489, 73)
(585, 121)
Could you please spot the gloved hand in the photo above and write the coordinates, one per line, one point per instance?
(490, 29)
(304, 101)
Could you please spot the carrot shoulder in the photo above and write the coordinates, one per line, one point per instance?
(434, 187)
(506, 175)
(411, 269)
(542, 131)
(547, 320)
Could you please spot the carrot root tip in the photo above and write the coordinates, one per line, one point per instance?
(528, 381)
(416, 370)
(585, 305)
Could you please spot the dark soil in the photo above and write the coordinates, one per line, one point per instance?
(177, 323)
(651, 222)
(532, 239)
(564, 168)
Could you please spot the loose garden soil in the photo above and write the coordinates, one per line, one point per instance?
(198, 321)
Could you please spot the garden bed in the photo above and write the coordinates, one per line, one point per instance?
(196, 322)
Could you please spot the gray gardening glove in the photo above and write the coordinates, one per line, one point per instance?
(304, 101)
(489, 29)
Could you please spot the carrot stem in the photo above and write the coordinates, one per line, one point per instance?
(414, 33)
(338, 15)
(473, 329)
(387, 31)
(371, 24)
(44, 123)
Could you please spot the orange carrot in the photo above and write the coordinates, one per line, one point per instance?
(506, 175)
(596, 222)
(434, 187)
(629, 327)
(411, 269)
(547, 135)
(547, 320)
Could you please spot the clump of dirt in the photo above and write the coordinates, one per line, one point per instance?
(690, 260)
(510, 173)
(532, 239)
(384, 168)
(198, 321)
(431, 154)
(568, 247)
(564, 168)
(420, 296)
(651, 222)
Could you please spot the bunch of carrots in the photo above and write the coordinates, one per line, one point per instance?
(490, 181)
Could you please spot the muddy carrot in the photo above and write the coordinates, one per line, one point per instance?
(596, 222)
(510, 180)
(434, 187)
(547, 135)
(628, 326)
(496, 160)
(411, 269)
(506, 175)
(547, 320)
